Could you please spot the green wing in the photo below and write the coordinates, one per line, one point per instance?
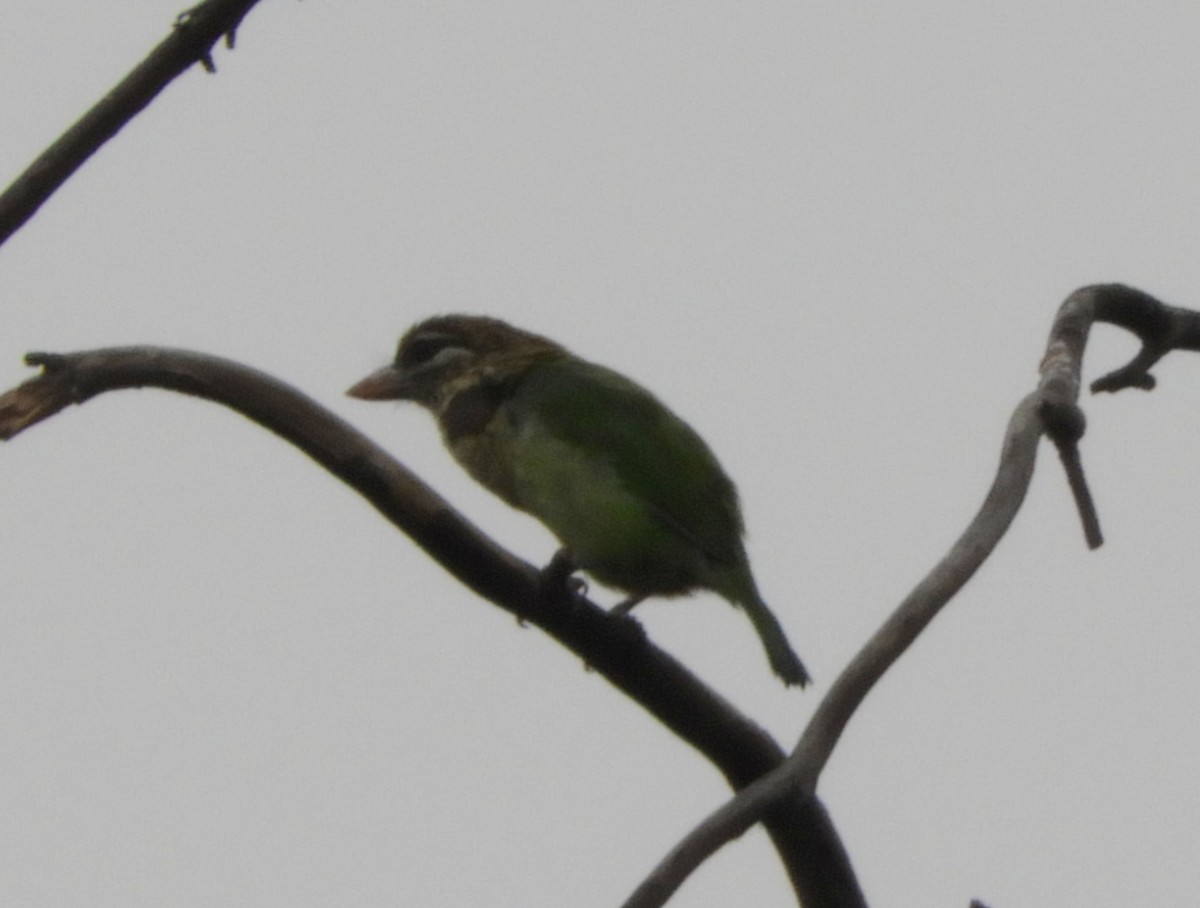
(655, 454)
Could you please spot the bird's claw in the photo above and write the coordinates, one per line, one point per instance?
(558, 577)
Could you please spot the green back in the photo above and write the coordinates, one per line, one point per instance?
(657, 456)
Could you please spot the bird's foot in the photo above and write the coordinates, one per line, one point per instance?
(557, 578)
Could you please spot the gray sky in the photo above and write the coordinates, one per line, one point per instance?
(832, 236)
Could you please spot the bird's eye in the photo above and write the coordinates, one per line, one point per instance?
(419, 350)
(426, 352)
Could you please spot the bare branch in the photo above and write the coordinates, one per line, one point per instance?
(783, 797)
(614, 647)
(1068, 453)
(1052, 409)
(192, 38)
(799, 773)
(1161, 329)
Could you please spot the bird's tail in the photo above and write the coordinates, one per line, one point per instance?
(784, 661)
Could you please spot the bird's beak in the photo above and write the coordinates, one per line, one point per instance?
(387, 383)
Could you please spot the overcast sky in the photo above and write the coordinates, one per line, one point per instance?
(832, 236)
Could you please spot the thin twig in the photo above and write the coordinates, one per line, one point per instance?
(191, 41)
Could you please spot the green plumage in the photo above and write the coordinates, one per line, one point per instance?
(633, 493)
(659, 511)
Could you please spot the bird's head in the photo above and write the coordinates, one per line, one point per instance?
(443, 355)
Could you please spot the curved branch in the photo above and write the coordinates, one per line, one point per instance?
(1161, 329)
(191, 41)
(615, 647)
(1053, 410)
(797, 776)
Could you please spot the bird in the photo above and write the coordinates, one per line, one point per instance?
(635, 496)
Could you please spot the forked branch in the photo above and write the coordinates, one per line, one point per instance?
(779, 793)
(1052, 409)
